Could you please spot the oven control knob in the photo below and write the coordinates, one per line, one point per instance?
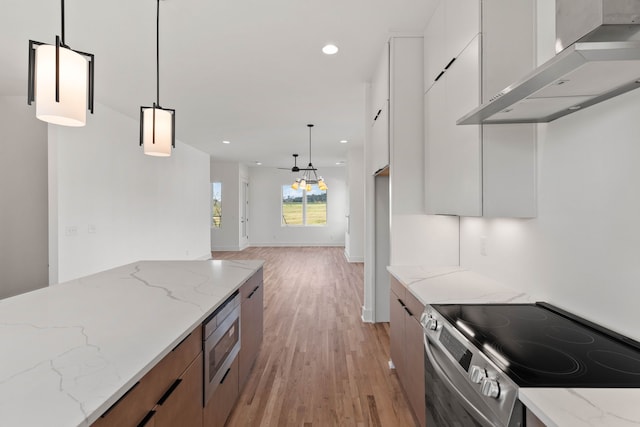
(490, 388)
(432, 324)
(477, 374)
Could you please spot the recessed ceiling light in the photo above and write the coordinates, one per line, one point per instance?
(226, 142)
(340, 163)
(343, 141)
(258, 163)
(330, 49)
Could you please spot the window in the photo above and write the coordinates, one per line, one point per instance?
(304, 207)
(216, 205)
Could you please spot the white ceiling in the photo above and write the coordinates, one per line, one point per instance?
(248, 71)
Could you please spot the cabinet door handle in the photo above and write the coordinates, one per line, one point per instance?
(401, 302)
(439, 75)
(171, 389)
(178, 345)
(224, 377)
(449, 64)
(253, 292)
(377, 115)
(147, 418)
(408, 311)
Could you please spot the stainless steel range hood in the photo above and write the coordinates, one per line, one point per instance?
(602, 60)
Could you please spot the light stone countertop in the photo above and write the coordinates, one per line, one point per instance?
(556, 407)
(584, 407)
(69, 351)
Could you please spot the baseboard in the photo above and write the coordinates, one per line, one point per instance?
(204, 257)
(296, 245)
(351, 259)
(367, 315)
(226, 248)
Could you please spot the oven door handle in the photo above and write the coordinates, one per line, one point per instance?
(477, 414)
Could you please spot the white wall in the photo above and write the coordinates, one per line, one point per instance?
(354, 237)
(113, 205)
(265, 213)
(581, 252)
(226, 237)
(23, 194)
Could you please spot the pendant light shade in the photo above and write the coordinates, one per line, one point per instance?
(157, 124)
(157, 131)
(60, 81)
(71, 110)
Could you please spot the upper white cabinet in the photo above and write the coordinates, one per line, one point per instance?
(396, 109)
(379, 119)
(451, 28)
(473, 170)
(453, 154)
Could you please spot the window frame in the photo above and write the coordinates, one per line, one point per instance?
(304, 207)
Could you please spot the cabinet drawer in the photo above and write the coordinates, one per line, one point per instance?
(138, 401)
(251, 284)
(223, 399)
(183, 407)
(398, 288)
(415, 306)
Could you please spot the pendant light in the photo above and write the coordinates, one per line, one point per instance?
(307, 179)
(60, 81)
(157, 124)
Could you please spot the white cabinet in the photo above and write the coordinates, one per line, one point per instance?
(451, 28)
(475, 170)
(453, 154)
(380, 113)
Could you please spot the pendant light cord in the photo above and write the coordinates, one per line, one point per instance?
(158, 54)
(62, 10)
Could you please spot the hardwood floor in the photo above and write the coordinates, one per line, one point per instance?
(319, 364)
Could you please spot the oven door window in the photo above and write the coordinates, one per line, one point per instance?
(221, 350)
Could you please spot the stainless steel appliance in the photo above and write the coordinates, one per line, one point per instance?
(478, 356)
(221, 343)
(594, 39)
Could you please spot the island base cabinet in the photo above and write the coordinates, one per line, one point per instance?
(137, 404)
(183, 406)
(222, 401)
(251, 321)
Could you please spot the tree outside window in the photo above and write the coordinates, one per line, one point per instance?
(301, 207)
(216, 205)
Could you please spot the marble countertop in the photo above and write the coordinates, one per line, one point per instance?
(457, 285)
(69, 351)
(583, 407)
(556, 407)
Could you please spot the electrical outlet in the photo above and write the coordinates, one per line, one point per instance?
(71, 230)
(91, 229)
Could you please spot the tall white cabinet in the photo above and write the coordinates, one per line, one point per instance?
(473, 49)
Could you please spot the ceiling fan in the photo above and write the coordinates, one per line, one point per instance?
(295, 167)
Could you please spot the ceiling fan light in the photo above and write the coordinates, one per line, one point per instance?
(296, 184)
(73, 78)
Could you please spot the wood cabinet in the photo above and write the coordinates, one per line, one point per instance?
(473, 170)
(181, 404)
(160, 383)
(223, 399)
(251, 324)
(407, 349)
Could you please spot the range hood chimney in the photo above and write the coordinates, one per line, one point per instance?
(597, 58)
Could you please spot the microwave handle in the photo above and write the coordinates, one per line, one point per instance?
(475, 412)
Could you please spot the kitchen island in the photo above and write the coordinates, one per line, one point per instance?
(71, 350)
(552, 407)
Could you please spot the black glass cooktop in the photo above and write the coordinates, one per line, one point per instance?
(538, 347)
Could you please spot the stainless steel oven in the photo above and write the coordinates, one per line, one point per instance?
(221, 343)
(460, 381)
(478, 356)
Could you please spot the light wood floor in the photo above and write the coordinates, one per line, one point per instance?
(319, 364)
